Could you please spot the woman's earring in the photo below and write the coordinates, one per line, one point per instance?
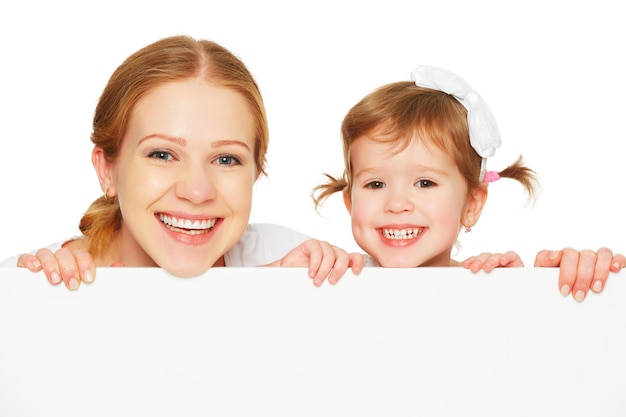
(468, 229)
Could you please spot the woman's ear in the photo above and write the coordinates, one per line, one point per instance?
(346, 200)
(475, 203)
(103, 169)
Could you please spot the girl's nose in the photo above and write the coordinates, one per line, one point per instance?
(398, 202)
(196, 185)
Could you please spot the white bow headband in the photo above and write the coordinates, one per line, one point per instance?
(483, 129)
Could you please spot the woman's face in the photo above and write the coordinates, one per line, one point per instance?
(184, 177)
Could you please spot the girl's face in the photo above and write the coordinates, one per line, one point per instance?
(407, 207)
(184, 177)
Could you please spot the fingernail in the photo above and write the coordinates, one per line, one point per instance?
(55, 277)
(579, 296)
(554, 254)
(597, 286)
(616, 265)
(565, 290)
(73, 284)
(37, 264)
(88, 276)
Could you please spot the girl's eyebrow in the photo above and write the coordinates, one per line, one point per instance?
(364, 171)
(183, 142)
(419, 168)
(428, 169)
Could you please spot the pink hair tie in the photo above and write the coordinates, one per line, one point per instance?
(491, 176)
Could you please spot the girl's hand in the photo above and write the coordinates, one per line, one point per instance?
(581, 270)
(69, 266)
(489, 261)
(323, 260)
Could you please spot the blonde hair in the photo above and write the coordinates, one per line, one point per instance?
(169, 59)
(402, 111)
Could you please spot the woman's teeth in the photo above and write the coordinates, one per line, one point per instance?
(192, 227)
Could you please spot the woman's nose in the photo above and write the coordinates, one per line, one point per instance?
(196, 185)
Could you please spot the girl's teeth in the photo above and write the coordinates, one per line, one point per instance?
(410, 233)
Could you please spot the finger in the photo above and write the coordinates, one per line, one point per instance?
(468, 262)
(86, 266)
(494, 261)
(69, 268)
(326, 263)
(604, 258)
(479, 262)
(50, 265)
(342, 261)
(357, 262)
(314, 252)
(585, 272)
(511, 259)
(567, 270)
(619, 261)
(31, 262)
(548, 258)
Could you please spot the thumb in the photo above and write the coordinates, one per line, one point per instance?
(548, 258)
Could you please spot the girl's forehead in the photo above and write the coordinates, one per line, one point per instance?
(370, 151)
(389, 144)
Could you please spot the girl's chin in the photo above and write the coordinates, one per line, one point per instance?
(399, 261)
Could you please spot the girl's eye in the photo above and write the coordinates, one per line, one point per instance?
(163, 155)
(227, 160)
(375, 185)
(424, 184)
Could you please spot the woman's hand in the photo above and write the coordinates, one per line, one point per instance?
(70, 266)
(582, 270)
(324, 261)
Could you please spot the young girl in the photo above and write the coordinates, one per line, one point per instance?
(415, 173)
(180, 136)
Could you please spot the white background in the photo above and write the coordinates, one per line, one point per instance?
(553, 73)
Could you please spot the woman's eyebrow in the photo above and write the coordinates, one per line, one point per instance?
(183, 142)
(228, 142)
(175, 139)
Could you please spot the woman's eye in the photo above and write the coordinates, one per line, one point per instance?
(227, 160)
(375, 185)
(163, 155)
(424, 184)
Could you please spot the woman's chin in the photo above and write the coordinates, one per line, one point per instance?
(184, 269)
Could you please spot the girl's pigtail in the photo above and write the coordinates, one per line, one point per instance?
(323, 191)
(524, 175)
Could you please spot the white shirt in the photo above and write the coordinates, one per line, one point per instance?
(260, 244)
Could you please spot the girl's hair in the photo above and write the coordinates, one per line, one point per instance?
(166, 60)
(400, 112)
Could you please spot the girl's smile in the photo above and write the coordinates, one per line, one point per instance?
(400, 235)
